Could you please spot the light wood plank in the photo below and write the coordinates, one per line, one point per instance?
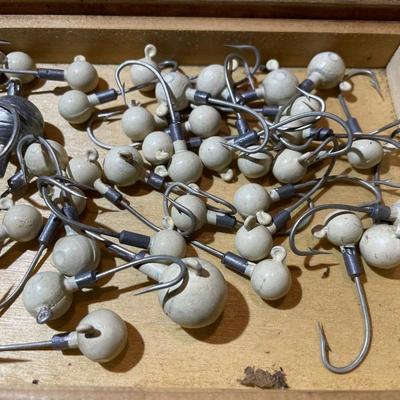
(113, 39)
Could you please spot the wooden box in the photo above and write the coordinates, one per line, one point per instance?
(164, 361)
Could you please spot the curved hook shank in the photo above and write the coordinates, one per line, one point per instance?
(324, 346)
(148, 259)
(156, 72)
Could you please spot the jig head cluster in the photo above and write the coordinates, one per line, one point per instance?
(276, 128)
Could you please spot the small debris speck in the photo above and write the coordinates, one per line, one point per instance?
(264, 379)
(326, 273)
(35, 381)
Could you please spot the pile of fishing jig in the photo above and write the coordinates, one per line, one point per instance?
(277, 130)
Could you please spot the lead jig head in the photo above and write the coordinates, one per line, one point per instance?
(39, 162)
(204, 121)
(253, 240)
(270, 278)
(254, 165)
(80, 74)
(193, 201)
(177, 83)
(335, 231)
(141, 75)
(340, 228)
(75, 253)
(380, 246)
(325, 71)
(123, 166)
(366, 152)
(100, 336)
(137, 122)
(290, 166)
(217, 156)
(211, 80)
(278, 87)
(199, 300)
(21, 222)
(85, 170)
(157, 148)
(48, 295)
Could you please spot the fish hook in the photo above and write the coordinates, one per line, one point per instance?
(354, 270)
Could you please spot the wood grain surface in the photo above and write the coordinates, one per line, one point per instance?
(108, 40)
(251, 331)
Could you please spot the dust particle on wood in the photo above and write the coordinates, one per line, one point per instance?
(264, 379)
(35, 381)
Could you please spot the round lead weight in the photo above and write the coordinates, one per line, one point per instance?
(196, 206)
(326, 69)
(250, 199)
(123, 166)
(74, 254)
(141, 75)
(199, 300)
(85, 169)
(45, 293)
(21, 223)
(211, 80)
(109, 337)
(157, 148)
(365, 154)
(214, 154)
(169, 243)
(380, 246)
(271, 278)
(341, 228)
(279, 86)
(288, 168)
(204, 121)
(303, 105)
(178, 84)
(185, 166)
(39, 162)
(137, 122)
(75, 107)
(20, 61)
(254, 165)
(81, 75)
(253, 242)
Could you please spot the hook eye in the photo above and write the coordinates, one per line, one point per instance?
(44, 315)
